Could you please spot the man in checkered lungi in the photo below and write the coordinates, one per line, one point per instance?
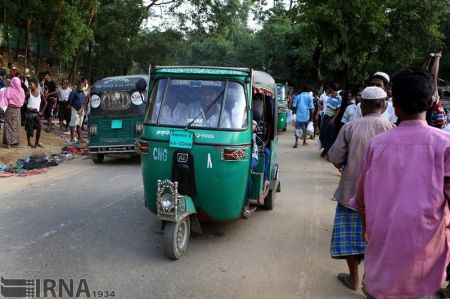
(346, 153)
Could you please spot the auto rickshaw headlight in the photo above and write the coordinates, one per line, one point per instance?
(167, 202)
(93, 130)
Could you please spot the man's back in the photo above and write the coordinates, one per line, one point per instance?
(349, 148)
(303, 103)
(405, 186)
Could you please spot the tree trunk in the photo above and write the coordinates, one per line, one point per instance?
(38, 49)
(55, 26)
(77, 55)
(316, 62)
(74, 65)
(5, 28)
(88, 61)
(19, 35)
(27, 37)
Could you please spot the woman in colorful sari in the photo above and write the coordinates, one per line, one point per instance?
(13, 98)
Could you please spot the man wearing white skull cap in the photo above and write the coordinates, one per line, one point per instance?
(347, 153)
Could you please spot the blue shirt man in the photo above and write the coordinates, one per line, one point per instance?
(76, 99)
(304, 105)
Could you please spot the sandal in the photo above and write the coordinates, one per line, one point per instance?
(345, 279)
(248, 212)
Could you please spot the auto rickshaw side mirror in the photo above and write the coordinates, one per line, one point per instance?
(141, 85)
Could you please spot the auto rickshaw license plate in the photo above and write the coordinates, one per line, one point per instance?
(181, 139)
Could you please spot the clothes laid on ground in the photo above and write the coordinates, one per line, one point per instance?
(34, 165)
(347, 238)
(404, 188)
(348, 151)
(36, 162)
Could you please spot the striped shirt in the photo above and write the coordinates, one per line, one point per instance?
(333, 104)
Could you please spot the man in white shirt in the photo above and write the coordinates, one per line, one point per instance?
(63, 109)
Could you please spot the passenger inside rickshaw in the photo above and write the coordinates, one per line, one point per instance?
(263, 114)
(262, 129)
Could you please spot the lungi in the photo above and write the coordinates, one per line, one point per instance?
(347, 238)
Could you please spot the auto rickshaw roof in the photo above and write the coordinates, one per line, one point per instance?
(260, 79)
(118, 83)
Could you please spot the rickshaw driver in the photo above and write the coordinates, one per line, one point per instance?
(173, 110)
(205, 112)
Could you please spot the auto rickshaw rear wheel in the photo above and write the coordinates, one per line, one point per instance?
(176, 238)
(98, 158)
(269, 200)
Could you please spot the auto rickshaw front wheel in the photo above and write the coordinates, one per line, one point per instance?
(98, 158)
(176, 238)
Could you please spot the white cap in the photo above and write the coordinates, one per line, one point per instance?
(373, 93)
(382, 74)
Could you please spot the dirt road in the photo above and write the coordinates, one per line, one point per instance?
(82, 220)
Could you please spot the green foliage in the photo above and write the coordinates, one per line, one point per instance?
(308, 40)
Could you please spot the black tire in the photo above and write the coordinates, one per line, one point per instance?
(284, 129)
(269, 200)
(176, 238)
(279, 187)
(99, 158)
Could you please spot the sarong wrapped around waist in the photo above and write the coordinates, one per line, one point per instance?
(32, 121)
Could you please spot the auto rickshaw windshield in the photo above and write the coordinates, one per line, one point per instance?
(198, 103)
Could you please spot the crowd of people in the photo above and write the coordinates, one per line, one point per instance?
(36, 102)
(389, 142)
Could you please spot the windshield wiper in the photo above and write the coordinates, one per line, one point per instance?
(206, 111)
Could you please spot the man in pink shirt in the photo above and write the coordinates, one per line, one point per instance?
(402, 195)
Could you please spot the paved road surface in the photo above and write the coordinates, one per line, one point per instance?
(82, 220)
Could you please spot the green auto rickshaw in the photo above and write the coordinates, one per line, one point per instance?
(117, 108)
(282, 107)
(201, 128)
